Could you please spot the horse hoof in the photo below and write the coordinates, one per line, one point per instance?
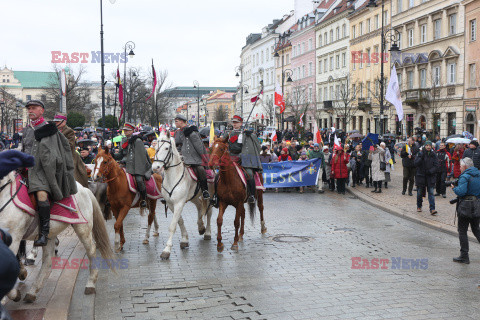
(183, 245)
(264, 230)
(240, 239)
(17, 297)
(207, 237)
(145, 241)
(156, 234)
(29, 262)
(118, 249)
(234, 247)
(202, 230)
(220, 247)
(165, 255)
(90, 290)
(29, 298)
(56, 253)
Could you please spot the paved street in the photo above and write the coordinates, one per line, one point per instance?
(281, 276)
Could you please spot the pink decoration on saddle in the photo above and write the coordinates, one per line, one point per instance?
(58, 211)
(152, 189)
(210, 175)
(258, 182)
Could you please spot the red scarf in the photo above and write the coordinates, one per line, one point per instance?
(38, 121)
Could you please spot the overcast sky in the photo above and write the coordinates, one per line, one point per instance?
(193, 40)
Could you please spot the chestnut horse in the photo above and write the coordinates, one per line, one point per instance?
(231, 191)
(120, 197)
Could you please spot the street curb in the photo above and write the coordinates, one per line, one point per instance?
(392, 210)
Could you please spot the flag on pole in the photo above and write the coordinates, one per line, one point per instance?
(256, 98)
(154, 81)
(337, 143)
(317, 137)
(120, 94)
(274, 137)
(279, 101)
(393, 94)
(301, 120)
(212, 133)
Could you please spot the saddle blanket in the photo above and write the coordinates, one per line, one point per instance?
(210, 175)
(65, 210)
(152, 189)
(241, 173)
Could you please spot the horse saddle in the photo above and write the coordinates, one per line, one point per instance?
(242, 175)
(210, 175)
(152, 190)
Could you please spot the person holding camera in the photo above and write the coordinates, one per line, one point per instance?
(427, 165)
(468, 206)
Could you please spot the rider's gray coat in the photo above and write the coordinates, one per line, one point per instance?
(190, 146)
(137, 161)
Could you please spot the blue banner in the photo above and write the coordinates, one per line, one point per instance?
(291, 173)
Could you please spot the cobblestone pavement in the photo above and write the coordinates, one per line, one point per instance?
(301, 269)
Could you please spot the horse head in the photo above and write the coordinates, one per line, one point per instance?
(218, 150)
(164, 152)
(104, 163)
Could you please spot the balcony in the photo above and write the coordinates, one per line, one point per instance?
(364, 104)
(416, 97)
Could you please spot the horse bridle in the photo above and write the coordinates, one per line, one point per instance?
(14, 195)
(166, 161)
(106, 171)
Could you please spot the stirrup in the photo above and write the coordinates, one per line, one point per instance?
(143, 204)
(41, 241)
(206, 195)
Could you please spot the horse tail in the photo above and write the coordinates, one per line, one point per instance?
(252, 211)
(100, 234)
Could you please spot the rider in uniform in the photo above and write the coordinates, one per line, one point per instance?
(136, 159)
(245, 148)
(190, 146)
(52, 175)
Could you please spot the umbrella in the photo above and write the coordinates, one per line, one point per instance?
(356, 135)
(468, 135)
(455, 136)
(88, 130)
(389, 135)
(205, 131)
(78, 128)
(118, 139)
(353, 131)
(370, 140)
(86, 142)
(458, 140)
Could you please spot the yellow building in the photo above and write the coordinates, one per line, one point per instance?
(218, 106)
(365, 48)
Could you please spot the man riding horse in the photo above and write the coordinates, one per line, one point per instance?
(136, 160)
(245, 149)
(52, 175)
(190, 146)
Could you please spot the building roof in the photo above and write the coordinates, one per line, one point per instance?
(342, 6)
(35, 79)
(221, 95)
(191, 92)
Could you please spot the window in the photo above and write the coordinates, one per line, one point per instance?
(360, 90)
(410, 37)
(331, 63)
(452, 24)
(423, 33)
(319, 94)
(337, 61)
(376, 21)
(325, 38)
(353, 32)
(452, 67)
(344, 30)
(399, 37)
(436, 75)
(354, 89)
(29, 97)
(325, 93)
(262, 57)
(310, 69)
(409, 80)
(325, 65)
(320, 40)
(473, 30)
(331, 93)
(337, 91)
(294, 54)
(310, 44)
(344, 59)
(337, 33)
(361, 60)
(368, 89)
(368, 25)
(304, 71)
(319, 66)
(303, 47)
(310, 95)
(360, 28)
(267, 55)
(288, 58)
(423, 78)
(437, 25)
(375, 50)
(399, 76)
(472, 75)
(411, 3)
(368, 57)
(399, 6)
(331, 36)
(385, 20)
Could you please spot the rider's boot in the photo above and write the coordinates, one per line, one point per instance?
(44, 228)
(204, 187)
(251, 190)
(142, 190)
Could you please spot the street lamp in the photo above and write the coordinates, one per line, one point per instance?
(18, 105)
(130, 45)
(239, 69)
(197, 86)
(392, 36)
(2, 106)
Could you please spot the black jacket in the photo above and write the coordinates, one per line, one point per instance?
(427, 167)
(406, 161)
(473, 154)
(443, 160)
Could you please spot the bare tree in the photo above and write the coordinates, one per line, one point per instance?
(164, 99)
(221, 114)
(298, 102)
(269, 109)
(435, 100)
(346, 95)
(8, 105)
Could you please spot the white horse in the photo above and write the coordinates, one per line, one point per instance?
(18, 222)
(178, 188)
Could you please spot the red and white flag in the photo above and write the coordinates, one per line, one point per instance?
(317, 137)
(279, 101)
(301, 120)
(256, 98)
(274, 137)
(337, 144)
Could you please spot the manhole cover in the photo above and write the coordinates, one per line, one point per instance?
(290, 238)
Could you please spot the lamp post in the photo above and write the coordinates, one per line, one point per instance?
(393, 37)
(18, 105)
(197, 86)
(239, 73)
(2, 106)
(130, 45)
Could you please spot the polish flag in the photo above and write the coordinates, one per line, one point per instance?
(337, 143)
(301, 120)
(274, 138)
(317, 137)
(256, 98)
(279, 101)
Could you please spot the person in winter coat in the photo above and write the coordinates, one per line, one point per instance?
(408, 154)
(266, 156)
(427, 165)
(316, 153)
(367, 169)
(284, 156)
(377, 155)
(456, 157)
(388, 167)
(444, 160)
(357, 171)
(339, 169)
(327, 171)
(473, 152)
(468, 191)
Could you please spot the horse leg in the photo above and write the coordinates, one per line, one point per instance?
(242, 226)
(84, 233)
(30, 259)
(184, 241)
(171, 229)
(47, 254)
(15, 294)
(200, 209)
(238, 214)
(118, 226)
(260, 208)
(151, 216)
(155, 222)
(208, 232)
(221, 209)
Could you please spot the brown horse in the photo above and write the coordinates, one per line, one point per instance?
(120, 197)
(231, 191)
